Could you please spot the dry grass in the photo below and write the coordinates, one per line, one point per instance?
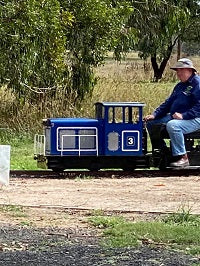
(20, 116)
(129, 80)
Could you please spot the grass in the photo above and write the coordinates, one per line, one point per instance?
(16, 212)
(22, 153)
(123, 87)
(22, 157)
(130, 81)
(173, 232)
(183, 217)
(13, 210)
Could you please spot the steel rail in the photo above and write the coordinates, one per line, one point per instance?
(87, 209)
(191, 171)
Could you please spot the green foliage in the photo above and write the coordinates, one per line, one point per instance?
(95, 30)
(121, 233)
(191, 48)
(105, 221)
(158, 25)
(96, 26)
(191, 35)
(56, 43)
(183, 217)
(160, 28)
(32, 45)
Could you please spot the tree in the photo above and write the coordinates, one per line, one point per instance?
(158, 26)
(191, 35)
(56, 43)
(95, 30)
(32, 45)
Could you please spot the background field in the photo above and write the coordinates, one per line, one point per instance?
(128, 80)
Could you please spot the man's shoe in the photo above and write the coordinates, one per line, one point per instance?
(183, 162)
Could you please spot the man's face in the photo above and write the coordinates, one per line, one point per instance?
(183, 73)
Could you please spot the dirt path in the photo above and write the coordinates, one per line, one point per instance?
(52, 232)
(142, 194)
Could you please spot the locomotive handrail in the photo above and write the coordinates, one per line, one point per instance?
(39, 144)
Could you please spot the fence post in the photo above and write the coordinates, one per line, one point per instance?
(4, 164)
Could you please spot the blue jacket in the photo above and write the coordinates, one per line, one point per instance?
(185, 99)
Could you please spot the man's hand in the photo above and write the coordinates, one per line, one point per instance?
(149, 117)
(177, 116)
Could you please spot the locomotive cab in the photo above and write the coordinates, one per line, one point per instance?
(122, 128)
(115, 138)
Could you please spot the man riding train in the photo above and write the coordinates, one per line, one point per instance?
(180, 113)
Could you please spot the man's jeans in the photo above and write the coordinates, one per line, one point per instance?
(176, 129)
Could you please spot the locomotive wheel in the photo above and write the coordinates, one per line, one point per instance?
(165, 156)
(57, 170)
(94, 166)
(163, 163)
(93, 169)
(128, 169)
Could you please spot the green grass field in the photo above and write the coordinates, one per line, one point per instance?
(22, 150)
(179, 231)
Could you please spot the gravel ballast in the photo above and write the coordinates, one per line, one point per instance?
(26, 246)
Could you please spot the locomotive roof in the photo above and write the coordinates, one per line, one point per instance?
(120, 104)
(71, 119)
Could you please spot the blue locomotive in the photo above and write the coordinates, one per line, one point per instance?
(116, 138)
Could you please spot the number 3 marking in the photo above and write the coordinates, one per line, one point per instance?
(130, 141)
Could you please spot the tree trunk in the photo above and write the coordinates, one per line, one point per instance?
(179, 48)
(158, 71)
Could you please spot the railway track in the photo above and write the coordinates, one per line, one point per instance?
(190, 171)
(88, 210)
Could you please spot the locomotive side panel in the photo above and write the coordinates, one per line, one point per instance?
(74, 137)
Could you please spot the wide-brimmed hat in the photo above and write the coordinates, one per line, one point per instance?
(184, 63)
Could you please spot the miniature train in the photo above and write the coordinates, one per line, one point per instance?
(115, 139)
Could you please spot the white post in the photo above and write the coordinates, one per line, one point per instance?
(4, 164)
